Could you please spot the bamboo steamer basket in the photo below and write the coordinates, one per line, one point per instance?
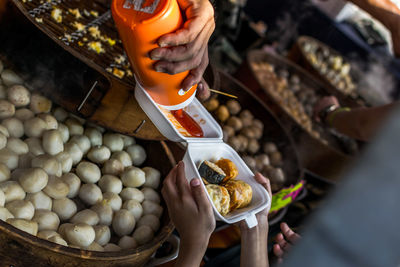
(326, 160)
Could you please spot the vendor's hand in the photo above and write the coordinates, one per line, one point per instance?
(203, 90)
(262, 216)
(189, 209)
(324, 103)
(284, 241)
(186, 49)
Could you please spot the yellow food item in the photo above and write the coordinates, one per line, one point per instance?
(78, 26)
(96, 46)
(229, 168)
(56, 14)
(220, 198)
(75, 12)
(240, 194)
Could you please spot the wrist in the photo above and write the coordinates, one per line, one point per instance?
(190, 253)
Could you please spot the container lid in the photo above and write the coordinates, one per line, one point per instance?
(171, 128)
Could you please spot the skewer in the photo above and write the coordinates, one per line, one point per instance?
(222, 93)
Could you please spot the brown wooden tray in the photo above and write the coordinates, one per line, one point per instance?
(325, 160)
(297, 55)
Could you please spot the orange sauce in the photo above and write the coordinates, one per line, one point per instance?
(188, 122)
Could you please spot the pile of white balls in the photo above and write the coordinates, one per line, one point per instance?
(70, 182)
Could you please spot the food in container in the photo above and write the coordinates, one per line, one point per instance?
(220, 198)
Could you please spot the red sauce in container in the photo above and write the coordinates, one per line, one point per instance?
(188, 122)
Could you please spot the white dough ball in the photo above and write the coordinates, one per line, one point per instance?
(33, 180)
(52, 142)
(110, 247)
(40, 200)
(110, 183)
(87, 216)
(4, 172)
(63, 129)
(18, 95)
(4, 131)
(129, 193)
(150, 220)
(74, 151)
(65, 208)
(58, 240)
(81, 234)
(7, 109)
(56, 188)
(123, 157)
(123, 222)
(73, 182)
(21, 209)
(3, 141)
(51, 122)
(35, 146)
(151, 194)
(18, 146)
(74, 126)
(48, 163)
(46, 234)
(5, 214)
(88, 172)
(103, 234)
(99, 154)
(133, 177)
(94, 135)
(150, 207)
(30, 227)
(60, 114)
(153, 177)
(47, 220)
(14, 126)
(82, 141)
(113, 141)
(2, 198)
(90, 194)
(143, 234)
(34, 127)
(62, 228)
(10, 78)
(137, 153)
(112, 167)
(127, 242)
(24, 114)
(134, 207)
(104, 211)
(12, 191)
(40, 104)
(128, 140)
(114, 200)
(94, 247)
(65, 161)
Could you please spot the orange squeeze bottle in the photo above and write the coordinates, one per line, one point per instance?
(140, 24)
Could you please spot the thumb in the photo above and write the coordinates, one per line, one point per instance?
(199, 195)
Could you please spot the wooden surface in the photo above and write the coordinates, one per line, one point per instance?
(325, 160)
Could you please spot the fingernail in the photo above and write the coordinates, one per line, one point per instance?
(195, 182)
(162, 44)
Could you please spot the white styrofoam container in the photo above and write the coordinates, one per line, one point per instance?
(210, 147)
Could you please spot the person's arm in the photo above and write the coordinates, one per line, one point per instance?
(387, 13)
(254, 241)
(191, 213)
(360, 123)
